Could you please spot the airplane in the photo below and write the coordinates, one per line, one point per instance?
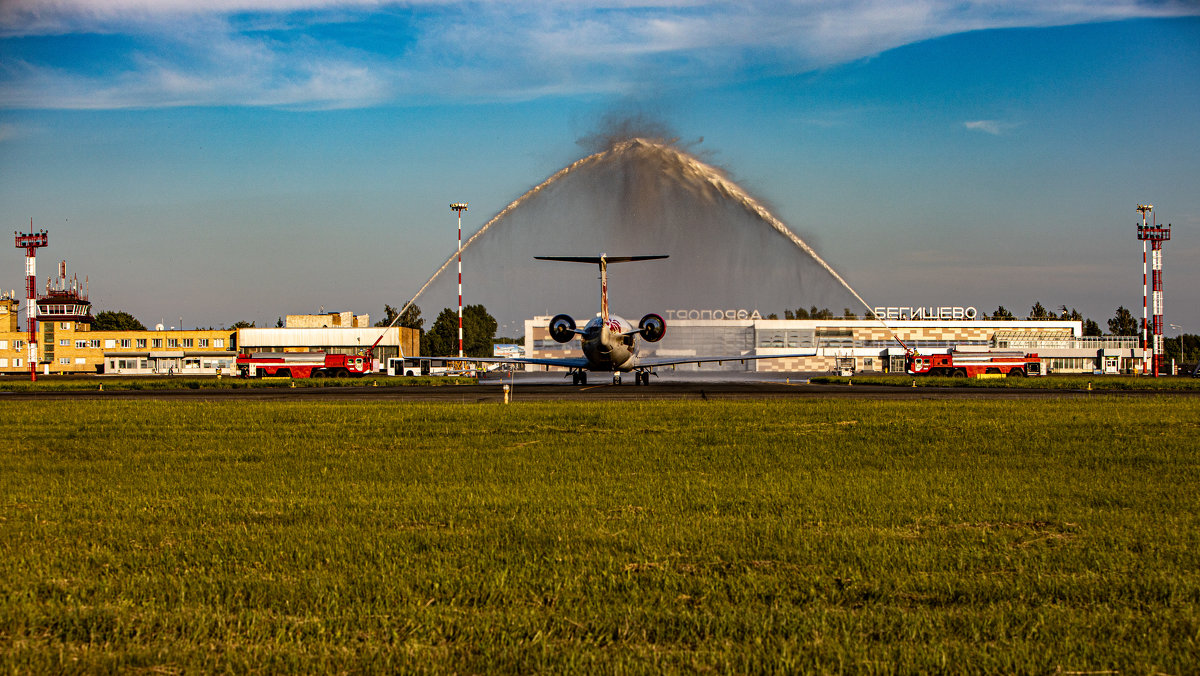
(608, 340)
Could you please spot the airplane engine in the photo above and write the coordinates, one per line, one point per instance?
(653, 328)
(562, 328)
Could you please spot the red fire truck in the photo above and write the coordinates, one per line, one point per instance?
(303, 365)
(960, 363)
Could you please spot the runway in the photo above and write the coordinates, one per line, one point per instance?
(531, 387)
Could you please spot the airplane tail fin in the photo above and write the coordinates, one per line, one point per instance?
(602, 260)
(603, 290)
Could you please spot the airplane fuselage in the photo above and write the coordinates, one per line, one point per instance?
(609, 346)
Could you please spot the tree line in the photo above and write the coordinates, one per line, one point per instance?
(479, 327)
(1122, 323)
(441, 340)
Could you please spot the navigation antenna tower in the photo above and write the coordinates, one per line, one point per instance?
(31, 242)
(1152, 292)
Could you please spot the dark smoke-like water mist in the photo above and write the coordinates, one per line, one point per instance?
(726, 250)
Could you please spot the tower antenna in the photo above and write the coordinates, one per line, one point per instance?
(31, 242)
(1152, 293)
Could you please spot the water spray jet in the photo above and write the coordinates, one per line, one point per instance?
(637, 183)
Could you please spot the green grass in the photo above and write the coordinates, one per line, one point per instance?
(77, 383)
(769, 536)
(1053, 382)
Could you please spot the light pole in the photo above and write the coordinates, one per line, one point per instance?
(459, 207)
(1180, 330)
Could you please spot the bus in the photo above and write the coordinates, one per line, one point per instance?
(421, 366)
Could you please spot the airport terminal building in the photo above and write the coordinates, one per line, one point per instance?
(67, 344)
(870, 345)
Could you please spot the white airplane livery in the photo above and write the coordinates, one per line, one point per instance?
(609, 342)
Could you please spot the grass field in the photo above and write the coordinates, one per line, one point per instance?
(79, 383)
(1053, 382)
(767, 536)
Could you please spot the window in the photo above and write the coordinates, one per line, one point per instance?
(81, 344)
(3, 363)
(64, 360)
(218, 342)
(64, 342)
(172, 342)
(203, 342)
(156, 342)
(3, 344)
(95, 342)
(80, 360)
(773, 339)
(1072, 364)
(141, 342)
(110, 344)
(835, 337)
(65, 326)
(17, 362)
(125, 342)
(18, 345)
(548, 344)
(187, 342)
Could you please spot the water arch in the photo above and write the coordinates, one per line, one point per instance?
(639, 196)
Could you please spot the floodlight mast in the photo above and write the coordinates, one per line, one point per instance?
(31, 242)
(459, 207)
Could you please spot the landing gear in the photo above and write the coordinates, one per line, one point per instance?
(641, 378)
(617, 378)
(579, 378)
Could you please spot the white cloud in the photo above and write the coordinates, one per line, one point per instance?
(284, 53)
(992, 127)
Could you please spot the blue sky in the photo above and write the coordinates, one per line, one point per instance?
(246, 159)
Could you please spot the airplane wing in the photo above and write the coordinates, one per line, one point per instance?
(597, 259)
(672, 361)
(566, 362)
(642, 362)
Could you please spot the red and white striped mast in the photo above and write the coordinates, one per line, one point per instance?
(1145, 294)
(31, 242)
(459, 207)
(1152, 292)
